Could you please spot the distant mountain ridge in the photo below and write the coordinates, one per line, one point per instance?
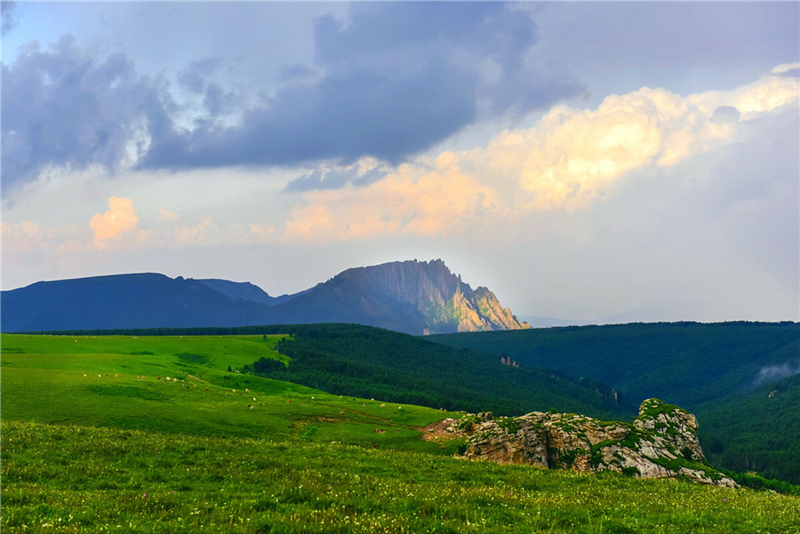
(244, 291)
(415, 297)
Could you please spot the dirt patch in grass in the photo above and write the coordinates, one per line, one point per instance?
(438, 431)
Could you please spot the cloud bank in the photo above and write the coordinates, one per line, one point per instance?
(390, 81)
(571, 160)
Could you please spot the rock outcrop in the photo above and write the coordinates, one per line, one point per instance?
(661, 443)
(418, 297)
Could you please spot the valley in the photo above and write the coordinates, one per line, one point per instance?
(94, 436)
(738, 378)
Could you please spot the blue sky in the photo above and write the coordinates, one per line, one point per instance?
(592, 161)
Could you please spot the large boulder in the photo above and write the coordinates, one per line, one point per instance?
(661, 443)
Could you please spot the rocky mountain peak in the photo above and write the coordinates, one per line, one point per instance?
(444, 302)
(661, 443)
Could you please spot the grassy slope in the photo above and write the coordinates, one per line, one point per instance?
(73, 479)
(372, 362)
(207, 463)
(43, 380)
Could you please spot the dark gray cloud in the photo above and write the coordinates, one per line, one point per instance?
(295, 71)
(390, 81)
(725, 114)
(196, 75)
(321, 178)
(344, 117)
(64, 107)
(9, 12)
(398, 78)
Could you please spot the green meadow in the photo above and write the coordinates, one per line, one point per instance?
(95, 439)
(121, 382)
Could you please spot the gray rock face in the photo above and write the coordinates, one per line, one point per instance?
(441, 301)
(661, 443)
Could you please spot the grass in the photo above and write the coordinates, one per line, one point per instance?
(43, 380)
(59, 478)
(124, 454)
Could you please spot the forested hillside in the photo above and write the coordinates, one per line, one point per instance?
(370, 362)
(722, 372)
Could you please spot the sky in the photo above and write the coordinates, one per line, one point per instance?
(600, 162)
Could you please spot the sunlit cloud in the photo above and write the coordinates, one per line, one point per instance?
(572, 159)
(786, 67)
(167, 215)
(262, 232)
(119, 220)
(423, 199)
(21, 237)
(197, 234)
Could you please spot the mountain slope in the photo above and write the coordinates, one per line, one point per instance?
(239, 290)
(123, 301)
(411, 296)
(370, 362)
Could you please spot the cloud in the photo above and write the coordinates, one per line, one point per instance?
(22, 237)
(197, 234)
(198, 78)
(571, 160)
(262, 232)
(330, 176)
(773, 373)
(168, 215)
(396, 79)
(10, 15)
(195, 76)
(64, 107)
(119, 220)
(785, 68)
(425, 199)
(393, 80)
(295, 71)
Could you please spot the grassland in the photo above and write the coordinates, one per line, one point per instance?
(73, 380)
(108, 453)
(78, 479)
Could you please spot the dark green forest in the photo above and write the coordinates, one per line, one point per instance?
(370, 362)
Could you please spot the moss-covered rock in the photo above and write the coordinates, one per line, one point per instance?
(660, 443)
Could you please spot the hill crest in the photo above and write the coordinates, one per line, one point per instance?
(415, 297)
